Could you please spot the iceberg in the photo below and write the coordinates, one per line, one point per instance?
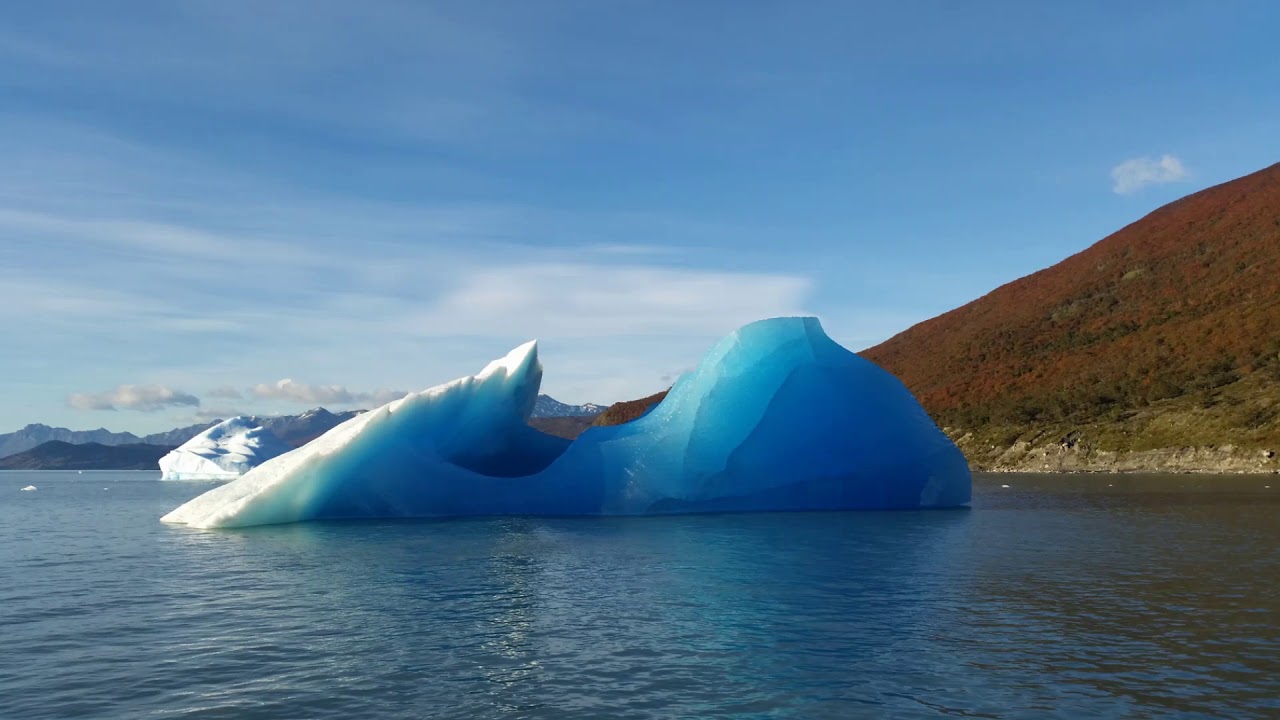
(777, 416)
(225, 451)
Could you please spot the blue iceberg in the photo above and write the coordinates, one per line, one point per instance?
(776, 417)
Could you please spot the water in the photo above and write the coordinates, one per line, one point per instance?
(1060, 596)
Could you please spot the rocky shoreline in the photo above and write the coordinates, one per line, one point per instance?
(1045, 455)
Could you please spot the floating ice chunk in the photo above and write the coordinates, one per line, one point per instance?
(223, 452)
(776, 417)
(29, 488)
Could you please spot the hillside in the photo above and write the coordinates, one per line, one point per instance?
(1163, 338)
(59, 455)
(628, 410)
(567, 426)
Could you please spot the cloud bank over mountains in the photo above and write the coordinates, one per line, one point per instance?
(307, 394)
(153, 398)
(144, 398)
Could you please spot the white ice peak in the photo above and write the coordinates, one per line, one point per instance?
(223, 452)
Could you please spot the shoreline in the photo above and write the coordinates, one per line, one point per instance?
(1113, 471)
(1060, 457)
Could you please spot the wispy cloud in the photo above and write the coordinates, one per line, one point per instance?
(294, 391)
(212, 413)
(597, 300)
(145, 398)
(226, 392)
(442, 77)
(151, 239)
(300, 242)
(1136, 173)
(324, 307)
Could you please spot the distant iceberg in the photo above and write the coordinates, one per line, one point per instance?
(776, 417)
(225, 451)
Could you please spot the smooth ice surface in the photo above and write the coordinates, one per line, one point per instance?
(225, 451)
(777, 416)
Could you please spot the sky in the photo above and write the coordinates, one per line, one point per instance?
(219, 207)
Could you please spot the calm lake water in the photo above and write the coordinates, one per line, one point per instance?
(1059, 596)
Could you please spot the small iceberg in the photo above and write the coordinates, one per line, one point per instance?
(777, 416)
(223, 452)
(29, 488)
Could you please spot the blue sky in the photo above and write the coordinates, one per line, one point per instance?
(202, 200)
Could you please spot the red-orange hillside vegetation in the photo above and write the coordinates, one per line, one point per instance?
(1179, 311)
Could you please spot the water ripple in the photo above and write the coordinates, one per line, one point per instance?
(1044, 601)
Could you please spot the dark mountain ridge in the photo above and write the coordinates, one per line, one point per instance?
(37, 434)
(59, 455)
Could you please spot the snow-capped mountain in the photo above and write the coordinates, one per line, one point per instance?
(547, 406)
(298, 430)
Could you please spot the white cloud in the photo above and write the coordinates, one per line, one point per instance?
(382, 396)
(226, 392)
(155, 239)
(1136, 173)
(192, 274)
(213, 413)
(587, 300)
(25, 295)
(293, 391)
(206, 415)
(145, 398)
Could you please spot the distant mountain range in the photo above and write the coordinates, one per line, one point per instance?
(38, 434)
(571, 426)
(1159, 344)
(297, 430)
(547, 406)
(59, 455)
